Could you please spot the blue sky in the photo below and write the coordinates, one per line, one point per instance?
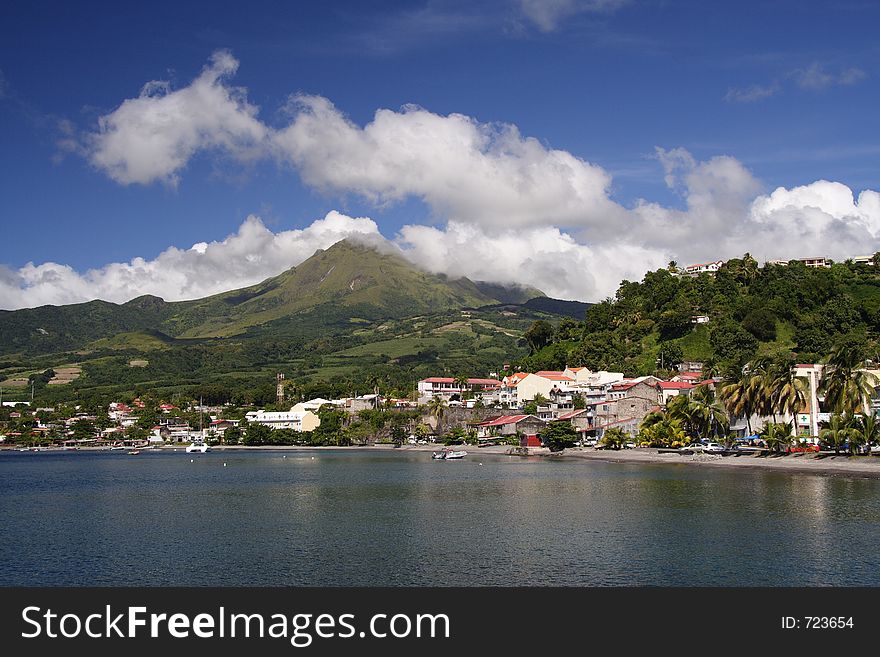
(740, 98)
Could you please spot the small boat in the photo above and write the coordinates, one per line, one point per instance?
(197, 445)
(447, 454)
(134, 452)
(117, 448)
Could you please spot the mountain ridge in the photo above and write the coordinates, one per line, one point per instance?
(348, 280)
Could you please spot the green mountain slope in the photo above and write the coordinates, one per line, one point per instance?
(341, 318)
(333, 292)
(347, 280)
(49, 329)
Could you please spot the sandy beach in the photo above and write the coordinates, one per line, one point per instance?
(820, 464)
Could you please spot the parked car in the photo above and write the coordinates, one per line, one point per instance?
(713, 448)
(693, 447)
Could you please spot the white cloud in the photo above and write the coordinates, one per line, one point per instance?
(851, 76)
(751, 94)
(822, 218)
(542, 257)
(548, 14)
(463, 169)
(152, 137)
(816, 77)
(726, 216)
(510, 208)
(249, 256)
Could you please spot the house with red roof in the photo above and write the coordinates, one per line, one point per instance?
(446, 386)
(703, 268)
(526, 426)
(669, 389)
(542, 383)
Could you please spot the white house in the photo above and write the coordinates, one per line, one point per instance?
(296, 420)
(541, 383)
(446, 386)
(703, 268)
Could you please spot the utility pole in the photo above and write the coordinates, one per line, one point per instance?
(279, 388)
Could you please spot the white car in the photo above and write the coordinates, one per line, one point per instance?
(693, 447)
(713, 448)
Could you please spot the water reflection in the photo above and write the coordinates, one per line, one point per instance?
(362, 518)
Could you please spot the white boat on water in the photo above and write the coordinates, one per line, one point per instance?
(448, 454)
(198, 445)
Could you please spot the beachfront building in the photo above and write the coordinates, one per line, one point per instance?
(625, 407)
(296, 420)
(525, 426)
(218, 427)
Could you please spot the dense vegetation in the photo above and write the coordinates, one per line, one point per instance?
(747, 311)
(340, 323)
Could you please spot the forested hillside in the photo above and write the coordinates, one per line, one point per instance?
(723, 320)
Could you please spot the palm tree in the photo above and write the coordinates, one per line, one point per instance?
(777, 435)
(680, 410)
(864, 430)
(374, 381)
(787, 391)
(760, 373)
(615, 438)
(662, 432)
(837, 433)
(869, 428)
(710, 412)
(847, 386)
(740, 397)
(437, 407)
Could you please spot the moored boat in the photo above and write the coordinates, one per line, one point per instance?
(198, 445)
(448, 454)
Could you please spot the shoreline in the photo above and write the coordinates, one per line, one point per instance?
(820, 464)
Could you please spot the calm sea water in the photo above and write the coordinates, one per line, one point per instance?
(353, 518)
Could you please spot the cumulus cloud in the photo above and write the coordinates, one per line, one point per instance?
(543, 257)
(816, 77)
(726, 215)
(823, 218)
(548, 14)
(463, 169)
(249, 256)
(152, 137)
(510, 208)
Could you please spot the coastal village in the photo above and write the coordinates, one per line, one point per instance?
(514, 408)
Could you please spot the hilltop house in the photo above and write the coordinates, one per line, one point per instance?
(703, 268)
